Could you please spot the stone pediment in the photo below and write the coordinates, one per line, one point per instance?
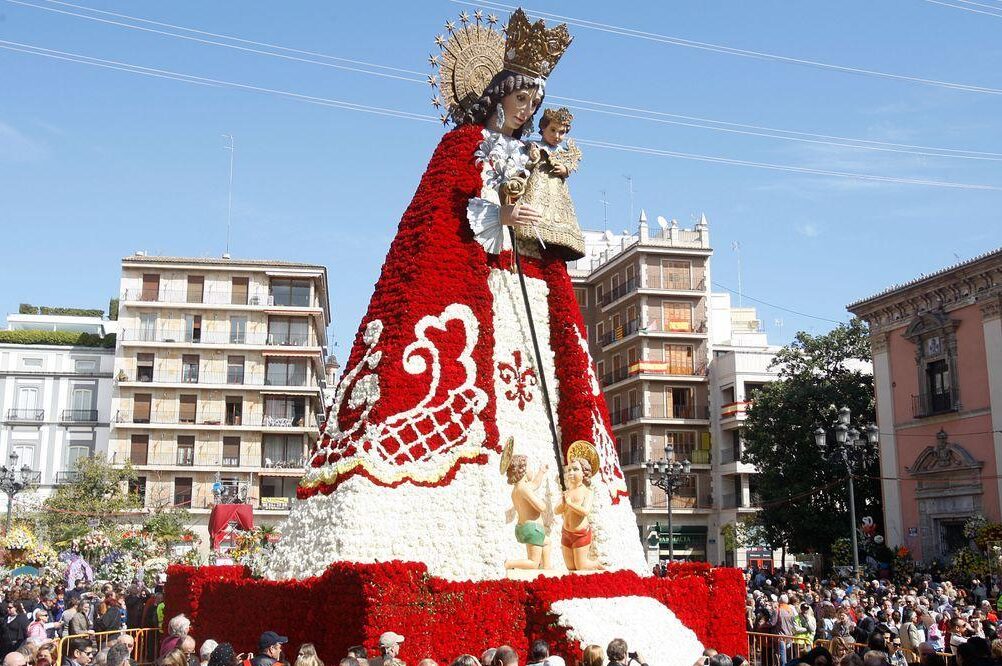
(945, 456)
(931, 321)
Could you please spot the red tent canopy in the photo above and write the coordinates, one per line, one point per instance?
(223, 514)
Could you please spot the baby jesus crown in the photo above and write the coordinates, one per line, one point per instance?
(532, 49)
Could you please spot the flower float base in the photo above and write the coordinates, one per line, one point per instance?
(351, 604)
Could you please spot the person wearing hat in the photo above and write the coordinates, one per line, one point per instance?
(389, 648)
(269, 649)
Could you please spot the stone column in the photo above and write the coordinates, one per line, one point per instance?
(894, 532)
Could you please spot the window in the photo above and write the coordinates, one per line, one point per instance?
(676, 316)
(937, 379)
(182, 491)
(234, 369)
(27, 400)
(276, 486)
(676, 274)
(238, 330)
(679, 359)
(137, 487)
(185, 450)
(189, 368)
(234, 410)
(284, 411)
(293, 331)
(188, 406)
(287, 372)
(599, 294)
(31, 363)
(141, 407)
(144, 367)
(147, 327)
(151, 287)
(238, 291)
(196, 288)
(85, 365)
(82, 406)
(140, 449)
(295, 293)
(231, 452)
(282, 451)
(25, 455)
(74, 453)
(192, 328)
(581, 296)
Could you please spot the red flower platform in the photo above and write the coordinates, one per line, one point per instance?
(352, 604)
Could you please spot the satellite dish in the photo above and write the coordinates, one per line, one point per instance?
(662, 222)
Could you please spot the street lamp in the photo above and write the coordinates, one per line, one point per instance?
(668, 475)
(848, 439)
(13, 481)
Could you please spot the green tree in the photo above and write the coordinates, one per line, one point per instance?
(167, 526)
(804, 491)
(97, 492)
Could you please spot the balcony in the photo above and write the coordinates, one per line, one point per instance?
(620, 332)
(200, 337)
(63, 478)
(185, 457)
(621, 290)
(676, 326)
(656, 280)
(25, 415)
(284, 463)
(215, 419)
(275, 503)
(655, 368)
(733, 410)
(930, 404)
(632, 458)
(180, 296)
(231, 377)
(635, 412)
(78, 416)
(678, 502)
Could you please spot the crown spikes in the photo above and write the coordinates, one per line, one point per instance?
(433, 60)
(432, 80)
(436, 101)
(464, 17)
(478, 15)
(450, 26)
(444, 118)
(440, 40)
(492, 19)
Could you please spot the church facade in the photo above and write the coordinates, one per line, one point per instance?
(937, 364)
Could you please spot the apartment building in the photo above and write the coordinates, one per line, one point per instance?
(741, 365)
(55, 400)
(218, 374)
(645, 299)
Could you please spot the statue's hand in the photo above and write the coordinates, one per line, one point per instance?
(520, 215)
(560, 170)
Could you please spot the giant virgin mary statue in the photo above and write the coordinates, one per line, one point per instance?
(443, 371)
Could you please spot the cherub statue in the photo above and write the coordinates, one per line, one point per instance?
(529, 509)
(551, 162)
(575, 537)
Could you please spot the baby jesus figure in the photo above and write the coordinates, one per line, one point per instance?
(551, 162)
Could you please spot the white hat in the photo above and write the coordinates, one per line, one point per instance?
(388, 638)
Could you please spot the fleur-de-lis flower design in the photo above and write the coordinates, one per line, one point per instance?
(519, 378)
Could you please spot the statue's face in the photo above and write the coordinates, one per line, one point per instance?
(554, 133)
(574, 474)
(519, 106)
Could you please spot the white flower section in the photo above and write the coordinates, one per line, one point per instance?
(648, 627)
(485, 220)
(501, 158)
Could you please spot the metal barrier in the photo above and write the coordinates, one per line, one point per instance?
(767, 649)
(144, 651)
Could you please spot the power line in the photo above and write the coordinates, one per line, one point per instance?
(189, 78)
(215, 43)
(646, 114)
(778, 307)
(199, 80)
(729, 50)
(785, 167)
(969, 9)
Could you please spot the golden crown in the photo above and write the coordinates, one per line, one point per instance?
(532, 49)
(561, 116)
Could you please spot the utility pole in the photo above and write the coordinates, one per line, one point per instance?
(629, 185)
(605, 210)
(232, 147)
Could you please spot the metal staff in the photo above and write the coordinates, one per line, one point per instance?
(539, 359)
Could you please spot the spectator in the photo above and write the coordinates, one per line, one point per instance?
(108, 616)
(538, 652)
(36, 629)
(15, 659)
(79, 652)
(358, 652)
(79, 587)
(851, 659)
(958, 633)
(487, 657)
(461, 660)
(187, 646)
(593, 656)
(174, 658)
(118, 655)
(101, 658)
(350, 661)
(912, 631)
(14, 630)
(205, 651)
(176, 630)
(389, 648)
(308, 656)
(224, 655)
(616, 651)
(269, 649)
(505, 655)
(719, 659)
(875, 658)
(431, 662)
(45, 654)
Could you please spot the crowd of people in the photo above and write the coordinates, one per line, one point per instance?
(824, 621)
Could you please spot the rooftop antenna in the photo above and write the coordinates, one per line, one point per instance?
(629, 184)
(605, 210)
(779, 324)
(736, 246)
(229, 196)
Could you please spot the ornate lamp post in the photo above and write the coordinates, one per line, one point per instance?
(13, 481)
(668, 475)
(848, 440)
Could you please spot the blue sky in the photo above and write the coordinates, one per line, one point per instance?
(97, 163)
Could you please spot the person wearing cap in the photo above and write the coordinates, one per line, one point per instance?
(389, 648)
(269, 649)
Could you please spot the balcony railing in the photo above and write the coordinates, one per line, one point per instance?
(929, 404)
(735, 409)
(632, 458)
(681, 326)
(26, 415)
(283, 463)
(656, 280)
(620, 332)
(232, 377)
(185, 457)
(208, 297)
(168, 335)
(66, 477)
(275, 503)
(635, 412)
(216, 419)
(620, 291)
(660, 368)
(78, 416)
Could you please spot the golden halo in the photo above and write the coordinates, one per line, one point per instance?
(584, 449)
(506, 453)
(470, 58)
